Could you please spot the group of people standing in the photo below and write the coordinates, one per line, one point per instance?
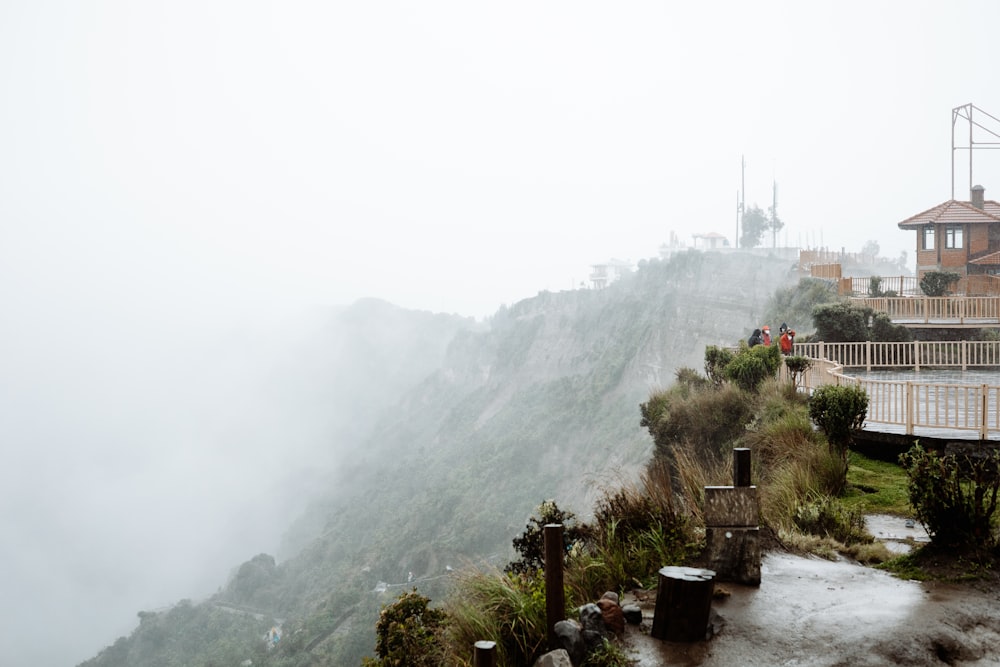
(762, 336)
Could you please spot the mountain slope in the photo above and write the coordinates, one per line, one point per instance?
(543, 405)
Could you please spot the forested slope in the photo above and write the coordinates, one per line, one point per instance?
(542, 405)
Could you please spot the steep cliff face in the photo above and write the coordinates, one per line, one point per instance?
(542, 405)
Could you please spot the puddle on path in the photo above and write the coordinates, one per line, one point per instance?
(894, 532)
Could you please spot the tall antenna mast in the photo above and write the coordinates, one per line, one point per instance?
(774, 213)
(743, 195)
(965, 112)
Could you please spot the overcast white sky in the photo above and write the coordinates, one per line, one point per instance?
(165, 166)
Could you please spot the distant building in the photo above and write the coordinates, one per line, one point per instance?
(710, 241)
(602, 275)
(957, 236)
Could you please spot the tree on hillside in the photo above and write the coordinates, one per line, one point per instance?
(774, 224)
(755, 223)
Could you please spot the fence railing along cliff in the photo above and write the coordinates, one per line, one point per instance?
(906, 403)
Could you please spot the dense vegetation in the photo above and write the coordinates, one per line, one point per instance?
(540, 405)
(543, 405)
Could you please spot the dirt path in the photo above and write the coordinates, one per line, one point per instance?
(811, 613)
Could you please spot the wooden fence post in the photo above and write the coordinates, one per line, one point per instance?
(984, 403)
(555, 597)
(486, 654)
(741, 466)
(909, 408)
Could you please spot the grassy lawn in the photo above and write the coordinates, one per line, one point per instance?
(876, 487)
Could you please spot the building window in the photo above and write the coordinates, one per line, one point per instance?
(953, 237)
(928, 238)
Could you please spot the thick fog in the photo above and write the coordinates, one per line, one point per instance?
(188, 188)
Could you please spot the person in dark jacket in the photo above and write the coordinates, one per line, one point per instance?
(755, 338)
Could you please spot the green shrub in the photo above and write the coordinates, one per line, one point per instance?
(408, 633)
(531, 543)
(677, 416)
(751, 366)
(841, 322)
(716, 360)
(954, 496)
(875, 287)
(839, 411)
(797, 368)
(883, 330)
(936, 283)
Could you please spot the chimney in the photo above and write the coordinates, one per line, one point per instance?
(977, 196)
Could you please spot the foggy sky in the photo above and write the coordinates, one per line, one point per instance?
(178, 179)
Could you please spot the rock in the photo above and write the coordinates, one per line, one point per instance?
(611, 595)
(613, 617)
(632, 613)
(594, 630)
(557, 658)
(570, 638)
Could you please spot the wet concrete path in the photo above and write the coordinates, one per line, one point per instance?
(810, 612)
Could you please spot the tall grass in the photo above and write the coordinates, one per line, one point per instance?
(508, 609)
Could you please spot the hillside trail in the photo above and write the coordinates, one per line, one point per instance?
(810, 612)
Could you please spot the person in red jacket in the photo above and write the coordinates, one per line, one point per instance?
(766, 335)
(787, 340)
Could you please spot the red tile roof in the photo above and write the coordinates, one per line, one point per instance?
(954, 212)
(992, 259)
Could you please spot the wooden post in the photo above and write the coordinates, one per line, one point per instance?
(909, 408)
(984, 430)
(555, 597)
(683, 604)
(741, 466)
(486, 654)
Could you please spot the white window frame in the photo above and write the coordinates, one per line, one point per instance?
(928, 243)
(954, 237)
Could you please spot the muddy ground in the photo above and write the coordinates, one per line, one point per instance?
(810, 612)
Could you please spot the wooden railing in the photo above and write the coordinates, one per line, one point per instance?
(909, 404)
(940, 309)
(862, 286)
(966, 286)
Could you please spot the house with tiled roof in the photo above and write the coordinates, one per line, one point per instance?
(958, 236)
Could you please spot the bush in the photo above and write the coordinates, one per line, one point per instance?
(841, 322)
(875, 287)
(797, 367)
(531, 543)
(716, 360)
(839, 411)
(954, 496)
(677, 416)
(752, 365)
(408, 633)
(936, 283)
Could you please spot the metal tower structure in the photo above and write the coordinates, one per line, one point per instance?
(989, 127)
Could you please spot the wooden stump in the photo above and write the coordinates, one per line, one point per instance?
(683, 604)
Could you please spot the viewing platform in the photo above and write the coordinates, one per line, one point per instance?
(970, 312)
(942, 390)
